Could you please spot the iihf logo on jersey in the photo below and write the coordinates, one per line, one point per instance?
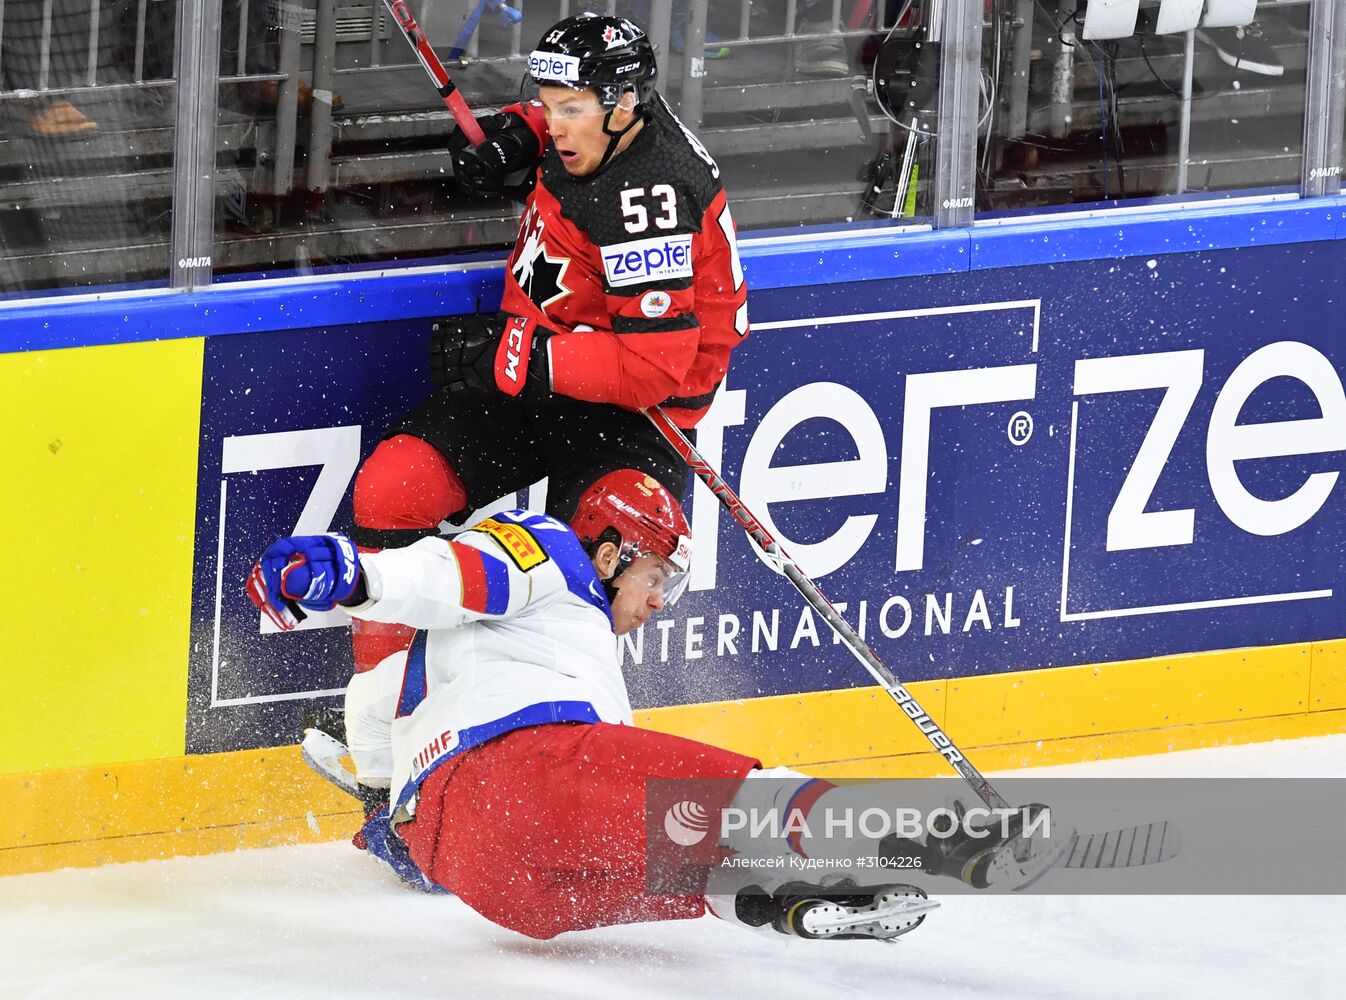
(687, 823)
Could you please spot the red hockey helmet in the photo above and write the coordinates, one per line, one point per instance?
(646, 520)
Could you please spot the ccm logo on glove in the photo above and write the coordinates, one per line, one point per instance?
(511, 359)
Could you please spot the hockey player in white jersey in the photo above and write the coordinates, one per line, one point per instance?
(504, 736)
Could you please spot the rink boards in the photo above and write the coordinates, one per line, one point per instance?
(1077, 484)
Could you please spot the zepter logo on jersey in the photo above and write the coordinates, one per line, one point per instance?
(663, 258)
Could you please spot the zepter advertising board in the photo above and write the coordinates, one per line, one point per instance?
(1045, 466)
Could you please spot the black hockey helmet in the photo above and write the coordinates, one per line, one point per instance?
(610, 54)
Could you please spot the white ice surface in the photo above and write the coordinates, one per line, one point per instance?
(324, 922)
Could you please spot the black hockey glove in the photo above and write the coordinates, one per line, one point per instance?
(500, 353)
(503, 164)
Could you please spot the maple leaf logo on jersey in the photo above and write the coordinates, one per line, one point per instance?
(655, 304)
(539, 274)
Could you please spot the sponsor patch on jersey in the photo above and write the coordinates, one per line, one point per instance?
(662, 258)
(552, 66)
(655, 304)
(517, 541)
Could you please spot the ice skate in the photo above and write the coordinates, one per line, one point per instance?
(322, 749)
(989, 854)
(841, 910)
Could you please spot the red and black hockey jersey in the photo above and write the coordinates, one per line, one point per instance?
(636, 268)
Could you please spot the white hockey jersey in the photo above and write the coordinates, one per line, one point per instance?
(515, 631)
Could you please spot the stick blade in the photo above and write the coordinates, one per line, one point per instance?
(1128, 847)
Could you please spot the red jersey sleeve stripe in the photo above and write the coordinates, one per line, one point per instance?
(472, 567)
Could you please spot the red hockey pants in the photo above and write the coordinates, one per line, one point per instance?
(542, 830)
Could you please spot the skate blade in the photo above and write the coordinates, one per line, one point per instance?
(888, 918)
(323, 754)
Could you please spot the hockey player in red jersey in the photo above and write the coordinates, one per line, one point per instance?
(624, 290)
(515, 778)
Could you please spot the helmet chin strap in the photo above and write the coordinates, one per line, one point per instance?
(615, 137)
(610, 584)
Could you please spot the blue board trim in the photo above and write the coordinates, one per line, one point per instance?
(1106, 237)
(362, 296)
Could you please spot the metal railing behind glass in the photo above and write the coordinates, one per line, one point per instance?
(86, 141)
(1159, 100)
(777, 89)
(66, 46)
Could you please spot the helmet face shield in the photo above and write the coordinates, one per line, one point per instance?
(562, 101)
(666, 574)
(674, 584)
(649, 569)
(679, 565)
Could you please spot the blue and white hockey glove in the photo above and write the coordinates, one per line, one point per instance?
(309, 572)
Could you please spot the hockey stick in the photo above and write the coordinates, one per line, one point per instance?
(322, 752)
(453, 100)
(867, 657)
(1147, 843)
